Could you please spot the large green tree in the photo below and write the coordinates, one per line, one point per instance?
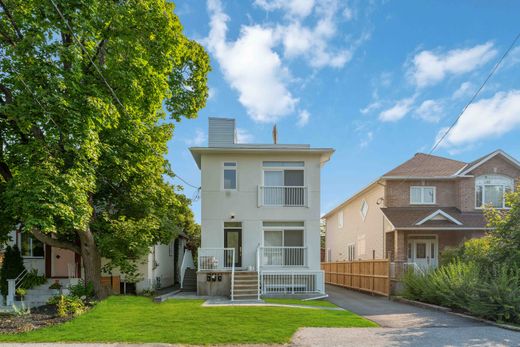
(84, 90)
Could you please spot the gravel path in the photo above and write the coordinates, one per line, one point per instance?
(402, 325)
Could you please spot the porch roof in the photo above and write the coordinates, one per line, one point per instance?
(417, 218)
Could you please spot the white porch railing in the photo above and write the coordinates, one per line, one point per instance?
(216, 259)
(291, 196)
(399, 268)
(283, 256)
(283, 282)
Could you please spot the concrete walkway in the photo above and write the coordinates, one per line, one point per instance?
(402, 325)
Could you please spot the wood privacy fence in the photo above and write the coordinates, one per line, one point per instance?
(371, 276)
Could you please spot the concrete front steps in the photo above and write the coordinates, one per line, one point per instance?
(40, 295)
(189, 283)
(245, 286)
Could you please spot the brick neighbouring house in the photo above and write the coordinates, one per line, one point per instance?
(416, 210)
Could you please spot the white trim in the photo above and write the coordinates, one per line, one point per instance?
(224, 168)
(365, 214)
(422, 195)
(436, 213)
(504, 186)
(492, 155)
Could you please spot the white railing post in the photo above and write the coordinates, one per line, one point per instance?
(258, 270)
(11, 291)
(233, 275)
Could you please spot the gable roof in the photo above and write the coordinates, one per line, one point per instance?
(476, 163)
(435, 217)
(418, 218)
(426, 165)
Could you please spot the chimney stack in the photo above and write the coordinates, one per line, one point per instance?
(275, 135)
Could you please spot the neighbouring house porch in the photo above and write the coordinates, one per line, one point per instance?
(424, 248)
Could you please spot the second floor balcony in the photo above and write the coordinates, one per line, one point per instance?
(283, 196)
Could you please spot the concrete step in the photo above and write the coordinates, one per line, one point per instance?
(245, 297)
(245, 291)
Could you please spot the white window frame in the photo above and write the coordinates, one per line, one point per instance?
(31, 256)
(283, 169)
(510, 186)
(422, 188)
(224, 168)
(340, 219)
(365, 213)
(351, 252)
(282, 229)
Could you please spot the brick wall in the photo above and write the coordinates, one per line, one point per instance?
(398, 192)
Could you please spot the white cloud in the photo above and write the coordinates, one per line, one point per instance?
(303, 118)
(430, 67)
(398, 111)
(299, 8)
(212, 92)
(369, 137)
(373, 106)
(464, 90)
(199, 138)
(252, 67)
(486, 118)
(430, 111)
(244, 136)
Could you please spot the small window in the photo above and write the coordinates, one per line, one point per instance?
(364, 209)
(351, 252)
(230, 176)
(420, 250)
(361, 245)
(340, 219)
(422, 195)
(30, 247)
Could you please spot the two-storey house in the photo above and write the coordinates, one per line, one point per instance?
(416, 210)
(260, 216)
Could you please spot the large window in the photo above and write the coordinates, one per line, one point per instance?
(422, 195)
(490, 190)
(283, 243)
(30, 247)
(230, 176)
(283, 183)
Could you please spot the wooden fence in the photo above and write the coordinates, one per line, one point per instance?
(371, 276)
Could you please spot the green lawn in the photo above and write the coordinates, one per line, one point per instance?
(322, 303)
(138, 319)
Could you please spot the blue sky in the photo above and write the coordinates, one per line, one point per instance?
(376, 80)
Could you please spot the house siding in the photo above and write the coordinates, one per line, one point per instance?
(354, 227)
(218, 205)
(398, 192)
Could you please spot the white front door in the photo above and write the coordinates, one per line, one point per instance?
(423, 252)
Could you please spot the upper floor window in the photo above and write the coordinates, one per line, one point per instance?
(283, 183)
(490, 190)
(340, 219)
(30, 247)
(230, 175)
(421, 195)
(364, 209)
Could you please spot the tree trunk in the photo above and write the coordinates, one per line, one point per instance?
(92, 263)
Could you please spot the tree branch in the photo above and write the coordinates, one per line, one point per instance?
(55, 243)
(9, 15)
(7, 92)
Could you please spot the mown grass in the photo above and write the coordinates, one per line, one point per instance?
(140, 320)
(322, 303)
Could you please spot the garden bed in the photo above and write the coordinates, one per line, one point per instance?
(39, 317)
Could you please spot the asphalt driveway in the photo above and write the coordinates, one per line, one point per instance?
(402, 325)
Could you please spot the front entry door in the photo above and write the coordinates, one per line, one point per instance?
(233, 239)
(423, 252)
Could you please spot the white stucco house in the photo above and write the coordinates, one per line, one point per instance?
(260, 216)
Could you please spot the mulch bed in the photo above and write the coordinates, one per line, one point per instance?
(40, 317)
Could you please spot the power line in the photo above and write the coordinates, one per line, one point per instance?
(112, 91)
(477, 93)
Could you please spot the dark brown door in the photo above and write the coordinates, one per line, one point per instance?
(233, 239)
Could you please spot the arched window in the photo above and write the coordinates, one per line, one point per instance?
(490, 190)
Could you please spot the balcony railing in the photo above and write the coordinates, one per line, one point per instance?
(216, 258)
(282, 256)
(291, 196)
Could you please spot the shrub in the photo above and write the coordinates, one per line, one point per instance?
(12, 266)
(82, 290)
(32, 279)
(67, 305)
